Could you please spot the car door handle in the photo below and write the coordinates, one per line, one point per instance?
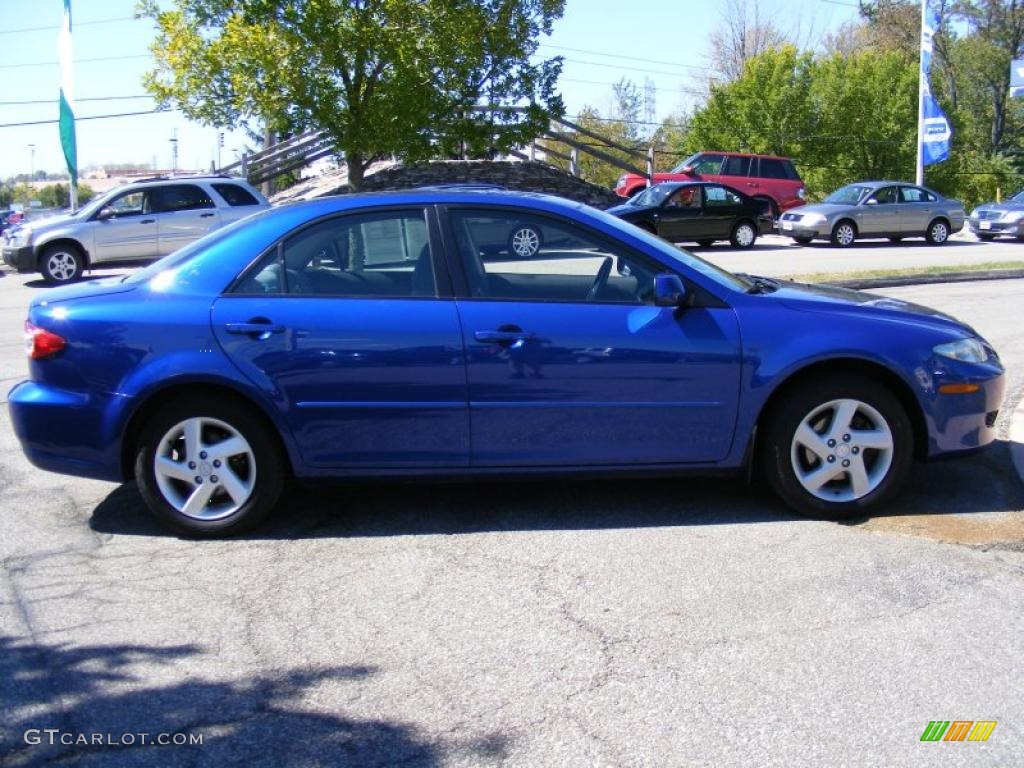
(499, 337)
(259, 329)
(205, 215)
(148, 221)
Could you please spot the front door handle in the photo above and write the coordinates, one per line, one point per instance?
(148, 221)
(257, 328)
(205, 215)
(499, 337)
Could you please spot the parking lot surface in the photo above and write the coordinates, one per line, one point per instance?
(614, 622)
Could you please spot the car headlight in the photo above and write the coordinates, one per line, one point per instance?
(801, 193)
(21, 236)
(1013, 216)
(964, 350)
(974, 213)
(813, 218)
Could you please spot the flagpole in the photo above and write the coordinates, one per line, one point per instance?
(919, 172)
(67, 104)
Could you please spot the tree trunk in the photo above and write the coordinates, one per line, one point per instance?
(354, 162)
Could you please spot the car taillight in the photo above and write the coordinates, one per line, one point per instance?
(40, 343)
(801, 193)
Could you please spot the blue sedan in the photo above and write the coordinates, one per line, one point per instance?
(373, 336)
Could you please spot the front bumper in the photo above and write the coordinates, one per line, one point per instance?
(964, 422)
(22, 259)
(72, 433)
(996, 227)
(799, 229)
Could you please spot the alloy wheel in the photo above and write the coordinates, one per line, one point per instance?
(525, 242)
(62, 266)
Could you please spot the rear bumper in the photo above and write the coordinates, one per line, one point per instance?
(22, 259)
(68, 432)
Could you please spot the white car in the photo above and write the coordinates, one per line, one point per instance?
(141, 221)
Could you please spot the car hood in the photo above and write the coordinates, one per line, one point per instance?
(53, 222)
(830, 298)
(624, 208)
(1007, 205)
(86, 289)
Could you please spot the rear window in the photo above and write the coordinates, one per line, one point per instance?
(773, 168)
(791, 170)
(235, 195)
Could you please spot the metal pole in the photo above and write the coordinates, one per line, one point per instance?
(921, 85)
(32, 163)
(174, 152)
(574, 159)
(650, 166)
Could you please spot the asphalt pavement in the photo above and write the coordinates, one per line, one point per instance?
(614, 622)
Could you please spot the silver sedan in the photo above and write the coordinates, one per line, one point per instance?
(876, 209)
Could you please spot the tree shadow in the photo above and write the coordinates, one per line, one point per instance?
(258, 720)
(983, 482)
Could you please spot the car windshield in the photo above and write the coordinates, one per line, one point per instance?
(678, 255)
(1019, 197)
(849, 195)
(691, 160)
(652, 195)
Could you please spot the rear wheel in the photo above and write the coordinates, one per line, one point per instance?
(208, 467)
(705, 243)
(837, 446)
(61, 263)
(988, 238)
(844, 233)
(744, 235)
(938, 232)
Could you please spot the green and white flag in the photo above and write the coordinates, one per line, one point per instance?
(67, 104)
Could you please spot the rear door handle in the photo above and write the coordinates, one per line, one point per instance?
(148, 221)
(205, 215)
(256, 329)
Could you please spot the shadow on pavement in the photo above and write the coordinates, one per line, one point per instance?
(255, 720)
(981, 483)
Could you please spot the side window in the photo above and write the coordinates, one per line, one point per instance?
(715, 196)
(130, 204)
(736, 166)
(886, 196)
(181, 197)
(916, 195)
(706, 164)
(773, 168)
(235, 195)
(378, 255)
(568, 265)
(684, 197)
(790, 170)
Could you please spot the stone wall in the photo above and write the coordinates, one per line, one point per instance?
(525, 176)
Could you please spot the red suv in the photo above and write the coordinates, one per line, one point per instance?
(763, 177)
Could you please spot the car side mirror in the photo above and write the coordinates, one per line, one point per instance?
(689, 170)
(669, 291)
(871, 201)
(106, 212)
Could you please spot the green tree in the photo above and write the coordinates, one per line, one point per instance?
(381, 77)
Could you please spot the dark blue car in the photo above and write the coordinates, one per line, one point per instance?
(371, 336)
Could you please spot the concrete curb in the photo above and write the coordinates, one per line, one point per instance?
(1016, 439)
(943, 277)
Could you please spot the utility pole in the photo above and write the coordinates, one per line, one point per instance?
(32, 162)
(174, 152)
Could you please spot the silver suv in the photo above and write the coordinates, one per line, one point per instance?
(141, 221)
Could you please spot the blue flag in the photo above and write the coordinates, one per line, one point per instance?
(935, 132)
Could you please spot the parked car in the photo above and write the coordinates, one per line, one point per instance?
(763, 177)
(136, 222)
(991, 220)
(876, 209)
(698, 211)
(302, 342)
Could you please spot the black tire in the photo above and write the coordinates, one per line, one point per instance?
(705, 243)
(743, 235)
(895, 239)
(779, 455)
(802, 240)
(988, 238)
(937, 232)
(841, 233)
(267, 477)
(61, 263)
(524, 241)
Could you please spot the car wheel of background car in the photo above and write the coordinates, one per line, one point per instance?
(208, 467)
(987, 238)
(744, 235)
(895, 239)
(938, 232)
(61, 263)
(844, 233)
(773, 207)
(802, 240)
(705, 243)
(524, 242)
(837, 446)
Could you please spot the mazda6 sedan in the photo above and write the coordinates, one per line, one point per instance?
(368, 337)
(876, 209)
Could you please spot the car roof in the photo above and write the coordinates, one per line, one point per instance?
(164, 180)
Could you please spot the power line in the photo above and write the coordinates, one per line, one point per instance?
(77, 101)
(77, 61)
(85, 117)
(77, 24)
(631, 69)
(624, 57)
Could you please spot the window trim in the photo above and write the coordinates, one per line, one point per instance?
(703, 297)
(438, 261)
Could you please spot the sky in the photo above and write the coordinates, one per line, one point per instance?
(602, 41)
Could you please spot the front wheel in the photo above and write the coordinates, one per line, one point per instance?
(208, 467)
(987, 238)
(705, 243)
(802, 240)
(844, 233)
(744, 235)
(938, 232)
(837, 446)
(61, 263)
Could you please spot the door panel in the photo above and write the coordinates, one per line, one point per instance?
(916, 209)
(681, 216)
(179, 228)
(131, 232)
(882, 216)
(581, 384)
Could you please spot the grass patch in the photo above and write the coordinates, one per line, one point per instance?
(831, 277)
